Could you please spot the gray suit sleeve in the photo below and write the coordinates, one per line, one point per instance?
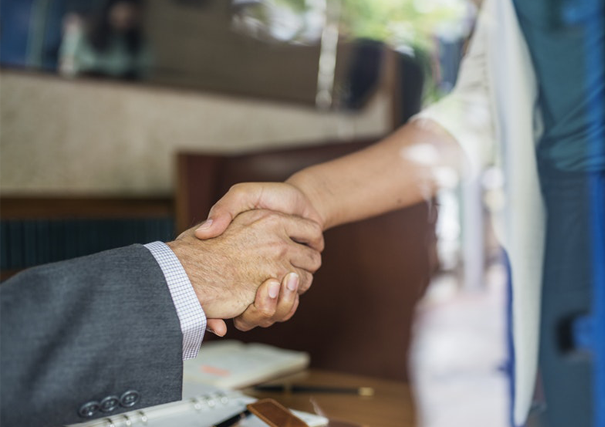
(101, 328)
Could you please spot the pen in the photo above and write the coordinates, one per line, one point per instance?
(289, 388)
(229, 422)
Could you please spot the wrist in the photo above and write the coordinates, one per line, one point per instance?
(192, 267)
(308, 186)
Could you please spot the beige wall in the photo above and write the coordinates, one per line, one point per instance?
(96, 138)
(195, 47)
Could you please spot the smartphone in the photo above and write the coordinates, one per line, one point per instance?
(275, 414)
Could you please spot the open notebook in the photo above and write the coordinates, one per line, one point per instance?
(232, 364)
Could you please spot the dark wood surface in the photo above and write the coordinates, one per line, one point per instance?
(391, 406)
(357, 316)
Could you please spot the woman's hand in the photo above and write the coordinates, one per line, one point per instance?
(281, 197)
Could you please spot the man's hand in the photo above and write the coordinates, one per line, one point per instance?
(280, 197)
(226, 271)
(273, 303)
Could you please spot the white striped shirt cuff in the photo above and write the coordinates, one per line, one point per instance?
(188, 308)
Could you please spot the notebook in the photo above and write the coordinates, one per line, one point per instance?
(232, 364)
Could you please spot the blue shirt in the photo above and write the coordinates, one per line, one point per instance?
(569, 86)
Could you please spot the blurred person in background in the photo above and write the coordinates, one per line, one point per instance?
(524, 100)
(113, 45)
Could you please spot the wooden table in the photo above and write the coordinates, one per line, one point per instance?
(391, 406)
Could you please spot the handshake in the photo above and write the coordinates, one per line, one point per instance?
(254, 256)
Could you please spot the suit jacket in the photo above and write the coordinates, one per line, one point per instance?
(101, 330)
(493, 113)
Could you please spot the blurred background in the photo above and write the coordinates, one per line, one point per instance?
(123, 121)
(268, 49)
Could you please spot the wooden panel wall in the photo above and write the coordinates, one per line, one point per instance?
(357, 316)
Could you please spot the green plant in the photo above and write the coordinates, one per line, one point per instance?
(410, 22)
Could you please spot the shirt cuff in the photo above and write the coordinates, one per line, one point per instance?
(188, 308)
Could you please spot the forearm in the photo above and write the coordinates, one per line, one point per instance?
(399, 171)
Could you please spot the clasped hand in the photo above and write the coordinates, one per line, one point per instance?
(277, 251)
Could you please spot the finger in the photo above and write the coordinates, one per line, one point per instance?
(304, 258)
(266, 298)
(244, 321)
(261, 312)
(287, 296)
(305, 280)
(293, 310)
(213, 227)
(304, 231)
(279, 197)
(217, 327)
(240, 198)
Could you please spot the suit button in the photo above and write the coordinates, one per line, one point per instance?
(88, 409)
(110, 403)
(129, 398)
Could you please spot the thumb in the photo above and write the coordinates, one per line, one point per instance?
(240, 198)
(217, 327)
(214, 226)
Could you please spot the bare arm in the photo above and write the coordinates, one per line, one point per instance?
(399, 171)
(403, 169)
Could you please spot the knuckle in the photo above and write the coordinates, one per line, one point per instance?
(237, 192)
(317, 230)
(306, 279)
(321, 243)
(236, 188)
(283, 316)
(279, 250)
(282, 250)
(266, 313)
(254, 216)
(272, 218)
(287, 317)
(241, 325)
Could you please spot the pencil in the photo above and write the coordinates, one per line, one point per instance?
(292, 388)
